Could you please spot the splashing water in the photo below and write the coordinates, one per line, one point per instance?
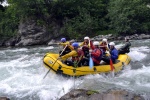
(22, 72)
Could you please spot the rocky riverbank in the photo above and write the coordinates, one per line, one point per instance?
(111, 37)
(29, 34)
(114, 94)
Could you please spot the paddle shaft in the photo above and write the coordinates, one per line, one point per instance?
(111, 65)
(55, 62)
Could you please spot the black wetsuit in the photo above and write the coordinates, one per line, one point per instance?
(125, 48)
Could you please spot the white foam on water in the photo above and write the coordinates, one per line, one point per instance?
(24, 84)
(25, 74)
(141, 49)
(16, 50)
(23, 61)
(45, 48)
(136, 55)
(135, 79)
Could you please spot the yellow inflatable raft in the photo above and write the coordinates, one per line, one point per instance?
(50, 61)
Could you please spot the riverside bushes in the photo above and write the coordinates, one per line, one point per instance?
(78, 18)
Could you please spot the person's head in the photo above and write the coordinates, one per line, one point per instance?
(112, 45)
(96, 44)
(75, 45)
(104, 41)
(126, 39)
(63, 40)
(86, 39)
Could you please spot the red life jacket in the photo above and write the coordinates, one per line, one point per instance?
(97, 58)
(80, 55)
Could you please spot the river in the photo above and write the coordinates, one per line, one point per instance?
(22, 72)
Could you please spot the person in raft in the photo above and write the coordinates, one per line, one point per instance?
(96, 54)
(76, 54)
(67, 45)
(104, 45)
(113, 54)
(126, 47)
(86, 46)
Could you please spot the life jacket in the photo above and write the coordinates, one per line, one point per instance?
(79, 56)
(100, 56)
(103, 48)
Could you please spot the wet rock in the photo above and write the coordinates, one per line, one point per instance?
(31, 33)
(4, 98)
(78, 94)
(100, 37)
(116, 94)
(11, 42)
(2, 42)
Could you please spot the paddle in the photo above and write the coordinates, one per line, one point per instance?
(90, 59)
(91, 62)
(55, 61)
(112, 67)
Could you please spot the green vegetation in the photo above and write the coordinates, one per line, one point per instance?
(90, 92)
(78, 18)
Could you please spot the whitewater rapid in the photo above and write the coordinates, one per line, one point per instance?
(22, 72)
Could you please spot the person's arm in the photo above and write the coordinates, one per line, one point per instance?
(64, 44)
(70, 54)
(81, 44)
(71, 47)
(91, 45)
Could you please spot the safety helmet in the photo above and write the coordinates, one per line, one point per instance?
(112, 43)
(86, 38)
(75, 44)
(96, 43)
(63, 39)
(104, 40)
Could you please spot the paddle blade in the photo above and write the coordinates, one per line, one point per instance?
(111, 65)
(91, 63)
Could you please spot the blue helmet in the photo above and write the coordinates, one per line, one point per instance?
(63, 39)
(75, 44)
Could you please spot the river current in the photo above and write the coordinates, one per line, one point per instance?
(22, 72)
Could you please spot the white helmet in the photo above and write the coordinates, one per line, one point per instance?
(96, 43)
(86, 38)
(104, 40)
(112, 43)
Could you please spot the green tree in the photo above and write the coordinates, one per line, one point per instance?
(132, 16)
(81, 17)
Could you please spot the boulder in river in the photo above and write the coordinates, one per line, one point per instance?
(4, 98)
(114, 94)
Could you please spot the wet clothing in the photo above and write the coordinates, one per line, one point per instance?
(125, 48)
(68, 48)
(76, 57)
(104, 47)
(96, 55)
(86, 47)
(90, 46)
(114, 54)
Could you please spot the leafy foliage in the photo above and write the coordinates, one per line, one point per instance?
(129, 16)
(78, 18)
